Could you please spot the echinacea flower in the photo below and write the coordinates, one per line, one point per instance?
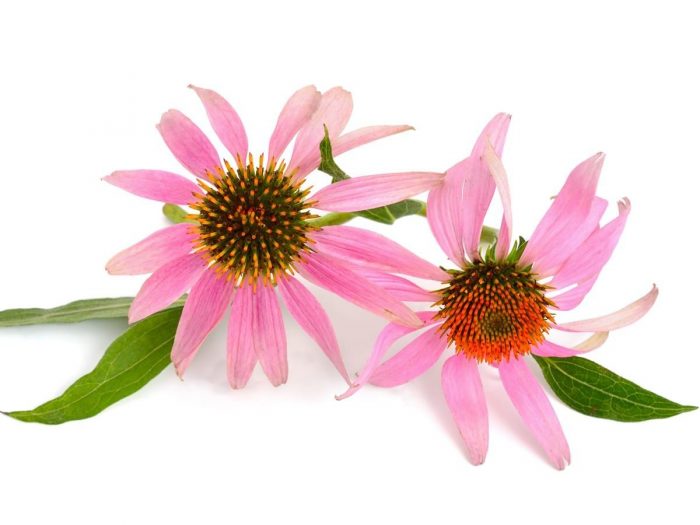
(499, 304)
(252, 229)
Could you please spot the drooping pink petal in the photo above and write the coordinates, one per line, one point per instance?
(333, 111)
(387, 337)
(373, 250)
(619, 319)
(361, 136)
(535, 409)
(498, 172)
(479, 185)
(373, 191)
(225, 121)
(269, 337)
(341, 279)
(571, 218)
(166, 285)
(464, 393)
(188, 143)
(296, 112)
(413, 360)
(204, 308)
(157, 185)
(154, 251)
(588, 259)
(445, 214)
(240, 350)
(402, 289)
(571, 298)
(549, 349)
(313, 319)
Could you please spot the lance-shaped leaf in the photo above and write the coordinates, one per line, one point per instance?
(131, 361)
(68, 313)
(595, 391)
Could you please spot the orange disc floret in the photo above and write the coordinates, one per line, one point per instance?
(494, 310)
(253, 220)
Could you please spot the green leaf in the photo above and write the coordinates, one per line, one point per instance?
(69, 313)
(131, 361)
(385, 214)
(175, 214)
(595, 391)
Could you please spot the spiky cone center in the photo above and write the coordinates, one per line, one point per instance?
(252, 220)
(493, 311)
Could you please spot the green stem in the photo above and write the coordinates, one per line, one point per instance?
(332, 219)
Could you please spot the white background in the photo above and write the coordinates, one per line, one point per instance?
(82, 86)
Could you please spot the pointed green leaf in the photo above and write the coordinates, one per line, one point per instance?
(595, 391)
(131, 361)
(385, 214)
(68, 313)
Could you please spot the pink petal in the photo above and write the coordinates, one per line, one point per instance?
(619, 319)
(415, 359)
(333, 111)
(204, 308)
(444, 211)
(570, 299)
(373, 250)
(225, 121)
(387, 337)
(402, 289)
(549, 349)
(166, 285)
(154, 251)
(498, 172)
(479, 185)
(269, 337)
(535, 409)
(372, 191)
(341, 279)
(588, 259)
(571, 218)
(362, 136)
(296, 112)
(160, 186)
(464, 393)
(240, 350)
(189, 145)
(311, 316)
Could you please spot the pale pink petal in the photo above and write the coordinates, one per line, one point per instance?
(464, 393)
(498, 172)
(619, 319)
(314, 320)
(571, 298)
(189, 145)
(588, 259)
(362, 136)
(549, 349)
(387, 337)
(269, 337)
(240, 350)
(341, 279)
(296, 112)
(413, 360)
(154, 251)
(166, 285)
(571, 218)
(445, 214)
(479, 185)
(535, 409)
(225, 121)
(160, 186)
(373, 191)
(373, 250)
(402, 289)
(333, 111)
(204, 308)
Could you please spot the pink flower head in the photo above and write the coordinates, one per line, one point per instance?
(251, 229)
(499, 304)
